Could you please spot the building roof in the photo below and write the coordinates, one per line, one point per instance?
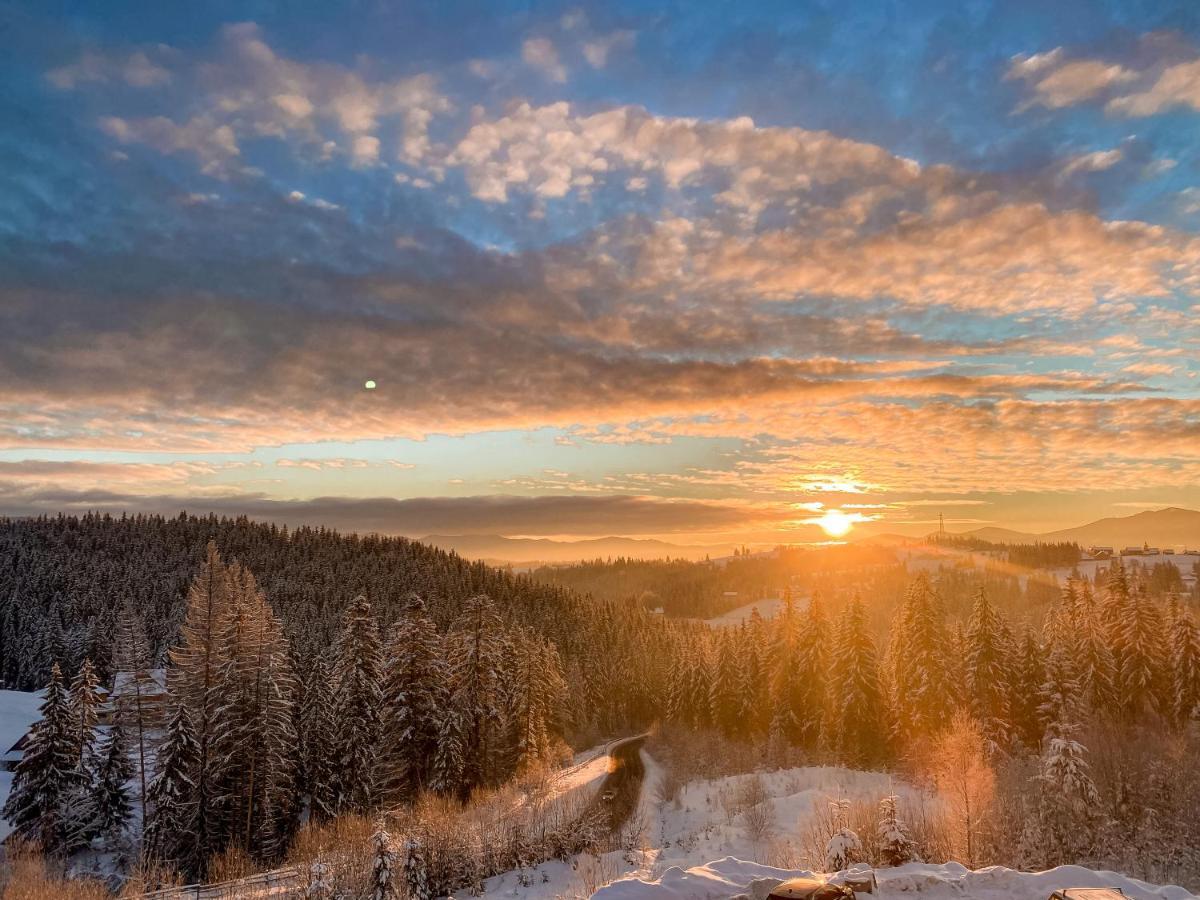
(18, 711)
(123, 682)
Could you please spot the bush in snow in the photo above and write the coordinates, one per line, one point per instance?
(895, 846)
(844, 847)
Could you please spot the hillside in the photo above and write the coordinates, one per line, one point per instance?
(1158, 527)
(1169, 527)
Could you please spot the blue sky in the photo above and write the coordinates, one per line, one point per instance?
(706, 269)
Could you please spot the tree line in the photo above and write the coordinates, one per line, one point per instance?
(250, 745)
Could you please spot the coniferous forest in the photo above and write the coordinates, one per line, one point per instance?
(312, 674)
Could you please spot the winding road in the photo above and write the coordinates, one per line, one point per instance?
(617, 799)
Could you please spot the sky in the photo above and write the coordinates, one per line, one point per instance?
(700, 271)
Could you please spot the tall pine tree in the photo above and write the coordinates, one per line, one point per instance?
(357, 676)
(48, 771)
(414, 695)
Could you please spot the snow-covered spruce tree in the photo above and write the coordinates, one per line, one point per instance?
(676, 699)
(384, 877)
(751, 697)
(113, 805)
(172, 804)
(535, 693)
(195, 684)
(80, 803)
(855, 691)
(256, 748)
(844, 847)
(895, 846)
(356, 676)
(986, 675)
(318, 742)
(919, 696)
(86, 701)
(47, 774)
(131, 656)
(416, 870)
(699, 687)
(414, 695)
(1028, 676)
(1059, 695)
(1184, 664)
(810, 700)
(1068, 799)
(476, 652)
(449, 759)
(723, 693)
(1139, 638)
(1094, 666)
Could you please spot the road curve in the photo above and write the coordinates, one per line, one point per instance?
(622, 784)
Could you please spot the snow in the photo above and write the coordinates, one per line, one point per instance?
(586, 772)
(699, 827)
(731, 877)
(18, 711)
(768, 608)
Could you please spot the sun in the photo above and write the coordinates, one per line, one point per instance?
(835, 523)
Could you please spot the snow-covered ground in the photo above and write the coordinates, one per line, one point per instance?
(700, 825)
(706, 821)
(768, 608)
(18, 711)
(731, 877)
(680, 837)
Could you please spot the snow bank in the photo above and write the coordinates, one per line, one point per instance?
(730, 877)
(699, 826)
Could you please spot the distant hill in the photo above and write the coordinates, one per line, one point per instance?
(1157, 527)
(1168, 527)
(496, 548)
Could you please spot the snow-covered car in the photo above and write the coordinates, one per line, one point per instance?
(810, 889)
(1104, 893)
(860, 879)
(608, 796)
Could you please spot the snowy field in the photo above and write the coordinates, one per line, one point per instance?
(1184, 562)
(768, 608)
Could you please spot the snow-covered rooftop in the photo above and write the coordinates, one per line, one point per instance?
(18, 710)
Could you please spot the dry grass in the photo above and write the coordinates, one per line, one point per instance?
(27, 875)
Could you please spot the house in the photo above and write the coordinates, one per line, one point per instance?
(150, 691)
(18, 711)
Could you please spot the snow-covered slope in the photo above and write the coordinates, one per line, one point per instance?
(731, 877)
(704, 822)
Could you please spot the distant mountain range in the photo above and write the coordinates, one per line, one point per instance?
(1169, 527)
(500, 550)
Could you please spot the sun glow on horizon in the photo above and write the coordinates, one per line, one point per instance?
(835, 523)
